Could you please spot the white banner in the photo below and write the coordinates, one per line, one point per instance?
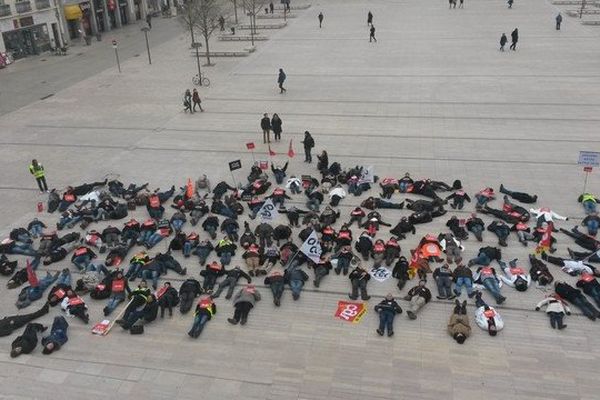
(312, 247)
(380, 273)
(268, 212)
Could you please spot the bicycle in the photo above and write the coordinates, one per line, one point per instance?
(196, 80)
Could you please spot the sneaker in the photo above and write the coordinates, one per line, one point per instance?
(411, 315)
(232, 321)
(316, 283)
(380, 332)
(441, 297)
(562, 326)
(390, 333)
(243, 321)
(277, 302)
(501, 300)
(352, 297)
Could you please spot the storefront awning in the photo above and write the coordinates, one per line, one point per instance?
(73, 11)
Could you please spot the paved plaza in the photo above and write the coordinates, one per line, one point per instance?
(433, 97)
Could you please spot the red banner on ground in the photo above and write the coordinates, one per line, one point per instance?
(350, 312)
(250, 145)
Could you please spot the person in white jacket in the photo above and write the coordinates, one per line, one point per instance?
(556, 309)
(571, 267)
(336, 195)
(515, 276)
(74, 306)
(486, 317)
(294, 185)
(545, 214)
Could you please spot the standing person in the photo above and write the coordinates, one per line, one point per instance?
(196, 100)
(321, 19)
(515, 38)
(37, 170)
(265, 124)
(461, 4)
(281, 79)
(149, 20)
(369, 18)
(558, 21)
(503, 41)
(510, 3)
(276, 126)
(271, 7)
(372, 34)
(309, 143)
(187, 101)
(221, 23)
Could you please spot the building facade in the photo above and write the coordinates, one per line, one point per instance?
(29, 27)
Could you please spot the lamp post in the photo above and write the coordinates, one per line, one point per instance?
(115, 46)
(145, 29)
(197, 45)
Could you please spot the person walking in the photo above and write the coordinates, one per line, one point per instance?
(271, 7)
(372, 35)
(221, 23)
(309, 143)
(515, 38)
(510, 3)
(276, 126)
(558, 21)
(369, 18)
(281, 79)
(187, 101)
(320, 19)
(503, 41)
(196, 100)
(461, 4)
(149, 20)
(265, 124)
(37, 170)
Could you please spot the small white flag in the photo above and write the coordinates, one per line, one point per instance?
(312, 247)
(268, 212)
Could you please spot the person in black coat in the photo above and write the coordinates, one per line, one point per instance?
(9, 324)
(515, 38)
(575, 297)
(232, 277)
(167, 298)
(27, 342)
(308, 143)
(188, 291)
(387, 309)
(359, 278)
(265, 125)
(276, 126)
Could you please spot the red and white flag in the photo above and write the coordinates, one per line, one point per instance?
(31, 276)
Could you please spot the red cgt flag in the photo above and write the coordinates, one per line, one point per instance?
(271, 152)
(250, 145)
(291, 153)
(31, 276)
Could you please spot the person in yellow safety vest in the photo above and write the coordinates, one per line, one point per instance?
(37, 170)
(205, 310)
(589, 202)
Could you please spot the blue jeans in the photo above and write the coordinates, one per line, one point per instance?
(295, 189)
(24, 238)
(202, 254)
(36, 230)
(592, 227)
(68, 221)
(279, 176)
(491, 284)
(154, 240)
(386, 321)
(177, 224)
(404, 186)
(187, 249)
(296, 286)
(462, 281)
(199, 322)
(151, 274)
(64, 278)
(144, 236)
(35, 263)
(589, 207)
(225, 258)
(212, 231)
(97, 267)
(114, 301)
(81, 262)
(133, 270)
(481, 200)
(35, 293)
(24, 249)
(481, 259)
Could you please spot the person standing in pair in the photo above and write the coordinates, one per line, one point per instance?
(515, 38)
(196, 100)
(503, 41)
(276, 126)
(372, 34)
(265, 124)
(369, 18)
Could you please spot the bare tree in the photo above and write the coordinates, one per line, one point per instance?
(235, 9)
(253, 7)
(202, 16)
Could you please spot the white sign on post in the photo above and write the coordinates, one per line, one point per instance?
(268, 212)
(589, 158)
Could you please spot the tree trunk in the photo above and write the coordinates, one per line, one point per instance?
(197, 56)
(235, 11)
(207, 52)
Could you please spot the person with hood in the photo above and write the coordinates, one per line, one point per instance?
(556, 309)
(359, 277)
(27, 342)
(232, 277)
(576, 298)
(168, 298)
(276, 127)
(400, 272)
(515, 276)
(387, 310)
(364, 245)
(308, 143)
(418, 296)
(243, 302)
(189, 289)
(539, 271)
(456, 227)
(458, 326)
(486, 317)
(205, 310)
(57, 337)
(458, 199)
